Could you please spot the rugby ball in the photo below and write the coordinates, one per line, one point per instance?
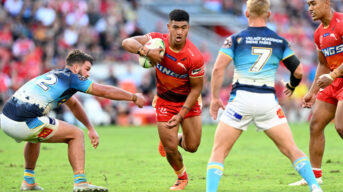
(151, 44)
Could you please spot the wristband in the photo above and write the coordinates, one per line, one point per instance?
(138, 50)
(289, 86)
(333, 75)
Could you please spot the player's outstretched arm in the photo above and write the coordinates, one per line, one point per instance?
(322, 68)
(76, 108)
(218, 71)
(115, 93)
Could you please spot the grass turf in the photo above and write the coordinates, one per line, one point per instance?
(127, 160)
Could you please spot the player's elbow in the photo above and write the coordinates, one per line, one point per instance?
(125, 43)
(216, 71)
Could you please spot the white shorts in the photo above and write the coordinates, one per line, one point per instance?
(247, 107)
(36, 130)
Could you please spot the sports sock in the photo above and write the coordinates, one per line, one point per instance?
(29, 176)
(182, 174)
(317, 172)
(214, 173)
(304, 168)
(79, 177)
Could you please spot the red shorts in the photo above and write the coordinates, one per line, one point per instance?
(165, 110)
(332, 93)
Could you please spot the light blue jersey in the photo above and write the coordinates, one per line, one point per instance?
(256, 52)
(38, 96)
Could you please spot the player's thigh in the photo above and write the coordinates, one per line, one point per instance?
(282, 136)
(168, 136)
(224, 138)
(323, 113)
(65, 133)
(191, 129)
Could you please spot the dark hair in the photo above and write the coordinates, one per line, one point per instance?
(178, 15)
(78, 56)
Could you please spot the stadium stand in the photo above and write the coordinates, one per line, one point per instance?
(36, 35)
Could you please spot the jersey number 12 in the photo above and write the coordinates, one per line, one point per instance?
(263, 56)
(43, 83)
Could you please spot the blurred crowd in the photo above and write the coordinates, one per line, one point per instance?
(35, 37)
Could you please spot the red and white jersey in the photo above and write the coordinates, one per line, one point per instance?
(175, 69)
(329, 41)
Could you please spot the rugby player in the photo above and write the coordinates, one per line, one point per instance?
(327, 88)
(24, 116)
(179, 76)
(256, 52)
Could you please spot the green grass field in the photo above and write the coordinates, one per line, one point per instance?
(127, 160)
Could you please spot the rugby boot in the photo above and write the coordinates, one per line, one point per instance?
(179, 185)
(86, 187)
(315, 188)
(30, 187)
(302, 182)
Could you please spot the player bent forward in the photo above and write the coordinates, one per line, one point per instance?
(25, 117)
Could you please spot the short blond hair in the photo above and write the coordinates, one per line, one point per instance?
(258, 7)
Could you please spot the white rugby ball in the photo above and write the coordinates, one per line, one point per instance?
(151, 44)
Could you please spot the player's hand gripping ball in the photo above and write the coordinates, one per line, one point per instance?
(151, 44)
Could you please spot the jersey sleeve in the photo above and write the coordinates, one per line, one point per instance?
(154, 35)
(197, 68)
(228, 47)
(287, 51)
(80, 83)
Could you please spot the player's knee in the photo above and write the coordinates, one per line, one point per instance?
(315, 129)
(192, 148)
(78, 133)
(171, 149)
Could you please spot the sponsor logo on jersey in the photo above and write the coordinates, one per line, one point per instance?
(45, 132)
(332, 50)
(334, 36)
(326, 34)
(228, 42)
(196, 71)
(82, 78)
(182, 65)
(169, 72)
(280, 113)
(239, 40)
(171, 57)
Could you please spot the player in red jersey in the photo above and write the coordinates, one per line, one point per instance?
(327, 86)
(179, 76)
